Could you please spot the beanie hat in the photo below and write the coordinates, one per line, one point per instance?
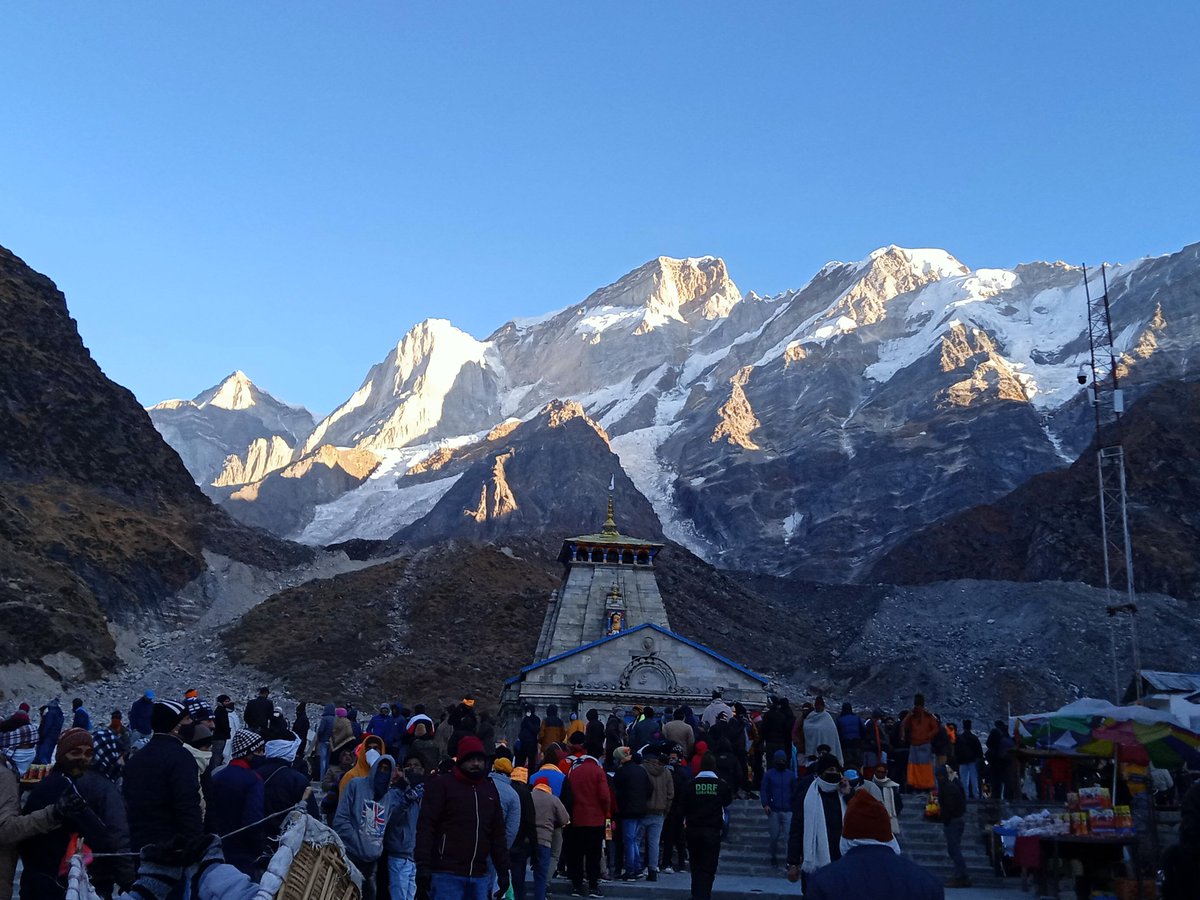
(72, 738)
(191, 692)
(780, 756)
(503, 766)
(469, 746)
(165, 715)
(340, 712)
(866, 818)
(24, 707)
(246, 742)
(199, 736)
(825, 762)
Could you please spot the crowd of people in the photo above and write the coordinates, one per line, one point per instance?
(441, 804)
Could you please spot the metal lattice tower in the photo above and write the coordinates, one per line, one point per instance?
(1108, 403)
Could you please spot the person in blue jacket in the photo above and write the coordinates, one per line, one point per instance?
(238, 799)
(139, 717)
(49, 729)
(778, 784)
(850, 731)
(871, 864)
(82, 718)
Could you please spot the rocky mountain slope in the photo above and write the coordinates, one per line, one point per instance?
(806, 433)
(1049, 528)
(232, 433)
(99, 518)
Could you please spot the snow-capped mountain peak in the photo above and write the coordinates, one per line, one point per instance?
(662, 290)
(236, 391)
(403, 398)
(220, 426)
(929, 261)
(435, 349)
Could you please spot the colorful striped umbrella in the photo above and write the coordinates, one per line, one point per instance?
(1142, 736)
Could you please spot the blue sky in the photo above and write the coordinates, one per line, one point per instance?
(286, 188)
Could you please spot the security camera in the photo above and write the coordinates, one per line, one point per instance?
(1083, 375)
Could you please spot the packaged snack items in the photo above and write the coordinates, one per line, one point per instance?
(1101, 821)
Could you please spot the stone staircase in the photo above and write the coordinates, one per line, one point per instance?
(745, 868)
(924, 842)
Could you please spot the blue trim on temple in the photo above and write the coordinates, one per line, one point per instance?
(613, 637)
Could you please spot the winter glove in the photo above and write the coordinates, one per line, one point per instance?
(502, 883)
(70, 806)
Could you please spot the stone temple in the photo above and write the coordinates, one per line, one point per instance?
(607, 643)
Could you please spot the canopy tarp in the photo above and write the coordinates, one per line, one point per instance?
(1090, 727)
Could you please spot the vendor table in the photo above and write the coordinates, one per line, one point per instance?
(1091, 852)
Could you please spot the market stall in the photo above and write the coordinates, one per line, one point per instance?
(1097, 763)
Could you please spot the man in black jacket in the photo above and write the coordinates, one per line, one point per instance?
(704, 815)
(259, 711)
(162, 784)
(460, 826)
(954, 810)
(968, 752)
(222, 730)
(674, 844)
(632, 787)
(285, 779)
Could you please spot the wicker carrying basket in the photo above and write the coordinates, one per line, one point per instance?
(318, 873)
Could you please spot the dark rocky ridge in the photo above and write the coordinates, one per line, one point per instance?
(546, 476)
(99, 518)
(1049, 528)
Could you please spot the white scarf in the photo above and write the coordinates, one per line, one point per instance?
(816, 836)
(848, 844)
(201, 757)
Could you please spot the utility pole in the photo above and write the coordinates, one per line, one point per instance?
(1108, 403)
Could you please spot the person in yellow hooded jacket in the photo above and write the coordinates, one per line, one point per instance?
(362, 764)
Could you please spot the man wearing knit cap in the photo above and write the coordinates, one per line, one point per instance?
(14, 827)
(162, 784)
(871, 867)
(96, 815)
(815, 837)
(237, 801)
(460, 826)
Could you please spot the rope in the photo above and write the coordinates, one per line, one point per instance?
(273, 815)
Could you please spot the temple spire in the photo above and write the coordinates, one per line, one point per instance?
(610, 524)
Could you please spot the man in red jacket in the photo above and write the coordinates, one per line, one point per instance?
(460, 825)
(589, 801)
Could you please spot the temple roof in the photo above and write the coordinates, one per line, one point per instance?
(609, 534)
